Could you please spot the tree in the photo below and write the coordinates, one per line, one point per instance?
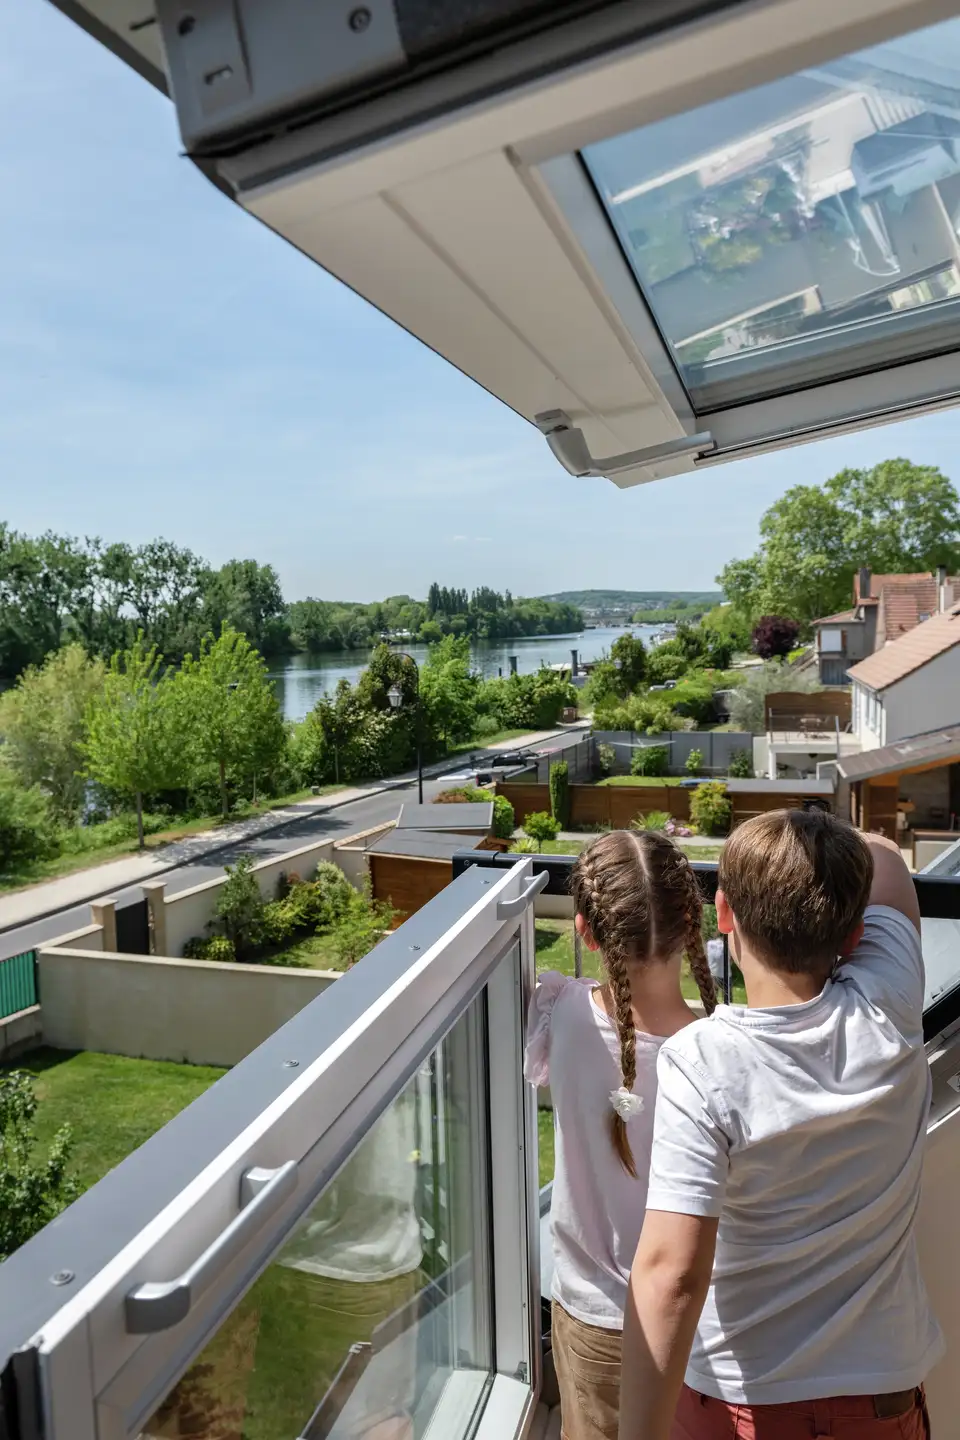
(629, 657)
(449, 691)
(32, 1191)
(247, 597)
(26, 827)
(774, 636)
(43, 722)
(540, 825)
(747, 702)
(649, 760)
(711, 810)
(560, 793)
(228, 711)
(894, 517)
(133, 742)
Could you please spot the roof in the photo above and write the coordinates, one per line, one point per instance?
(463, 817)
(423, 844)
(905, 604)
(937, 745)
(780, 787)
(900, 658)
(877, 583)
(845, 615)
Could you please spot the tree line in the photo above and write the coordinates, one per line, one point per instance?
(57, 589)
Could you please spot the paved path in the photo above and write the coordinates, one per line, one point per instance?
(29, 917)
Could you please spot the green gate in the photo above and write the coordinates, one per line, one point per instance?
(18, 983)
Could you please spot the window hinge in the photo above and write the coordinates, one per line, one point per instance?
(569, 445)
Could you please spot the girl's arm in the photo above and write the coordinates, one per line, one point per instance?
(668, 1285)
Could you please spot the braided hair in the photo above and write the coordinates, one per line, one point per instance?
(640, 898)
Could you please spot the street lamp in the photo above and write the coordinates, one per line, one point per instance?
(395, 696)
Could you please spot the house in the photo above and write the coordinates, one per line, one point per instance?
(884, 608)
(911, 686)
(910, 789)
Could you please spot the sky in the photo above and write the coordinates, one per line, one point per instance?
(170, 367)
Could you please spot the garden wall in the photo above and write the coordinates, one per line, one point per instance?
(717, 747)
(591, 805)
(193, 1011)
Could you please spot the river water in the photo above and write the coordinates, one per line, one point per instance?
(303, 679)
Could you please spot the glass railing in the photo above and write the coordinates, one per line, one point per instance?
(342, 1233)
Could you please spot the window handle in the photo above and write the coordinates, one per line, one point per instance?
(508, 909)
(159, 1305)
(570, 447)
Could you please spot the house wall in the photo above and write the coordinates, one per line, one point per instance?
(152, 1008)
(925, 700)
(867, 716)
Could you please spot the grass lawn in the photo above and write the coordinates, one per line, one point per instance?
(702, 852)
(315, 952)
(546, 1146)
(111, 1104)
(642, 780)
(483, 742)
(70, 863)
(554, 943)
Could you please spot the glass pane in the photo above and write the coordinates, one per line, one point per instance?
(377, 1311)
(803, 230)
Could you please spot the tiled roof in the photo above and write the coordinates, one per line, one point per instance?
(835, 619)
(877, 583)
(916, 648)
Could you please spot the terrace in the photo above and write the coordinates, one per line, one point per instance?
(386, 1124)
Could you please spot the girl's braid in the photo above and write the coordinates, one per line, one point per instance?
(696, 954)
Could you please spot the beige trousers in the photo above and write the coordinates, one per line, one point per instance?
(587, 1360)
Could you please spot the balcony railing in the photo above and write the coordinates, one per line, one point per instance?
(347, 1224)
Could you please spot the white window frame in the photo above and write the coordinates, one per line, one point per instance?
(98, 1382)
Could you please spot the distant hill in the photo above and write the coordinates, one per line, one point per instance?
(602, 601)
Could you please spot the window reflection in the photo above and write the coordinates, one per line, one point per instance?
(773, 232)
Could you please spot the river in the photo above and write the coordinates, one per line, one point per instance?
(303, 679)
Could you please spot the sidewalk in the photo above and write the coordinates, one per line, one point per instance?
(36, 902)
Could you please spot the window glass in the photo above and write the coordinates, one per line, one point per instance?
(782, 233)
(375, 1316)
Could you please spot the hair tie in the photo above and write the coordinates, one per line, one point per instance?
(626, 1103)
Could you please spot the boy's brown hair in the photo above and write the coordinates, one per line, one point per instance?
(798, 882)
(642, 903)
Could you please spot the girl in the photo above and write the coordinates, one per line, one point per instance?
(638, 903)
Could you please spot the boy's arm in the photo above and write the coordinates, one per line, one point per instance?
(668, 1285)
(892, 882)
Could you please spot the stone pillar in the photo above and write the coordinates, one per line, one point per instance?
(153, 893)
(104, 913)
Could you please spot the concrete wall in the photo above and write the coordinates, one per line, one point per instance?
(924, 700)
(158, 1009)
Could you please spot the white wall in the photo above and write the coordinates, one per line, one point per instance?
(925, 700)
(158, 1009)
(867, 717)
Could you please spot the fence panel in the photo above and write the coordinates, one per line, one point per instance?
(18, 983)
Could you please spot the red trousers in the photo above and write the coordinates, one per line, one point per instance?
(848, 1417)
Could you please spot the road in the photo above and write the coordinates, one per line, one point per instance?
(339, 822)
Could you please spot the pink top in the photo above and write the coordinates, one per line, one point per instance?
(597, 1209)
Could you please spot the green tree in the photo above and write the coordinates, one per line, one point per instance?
(43, 722)
(449, 692)
(133, 743)
(26, 826)
(228, 711)
(650, 760)
(628, 655)
(748, 701)
(540, 825)
(33, 1190)
(560, 793)
(246, 596)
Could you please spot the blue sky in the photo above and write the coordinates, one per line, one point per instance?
(168, 367)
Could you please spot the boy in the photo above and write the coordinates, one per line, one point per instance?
(777, 1265)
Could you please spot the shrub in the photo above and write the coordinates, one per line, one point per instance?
(749, 696)
(741, 765)
(606, 759)
(504, 818)
(524, 846)
(560, 793)
(26, 826)
(694, 762)
(239, 908)
(359, 929)
(210, 947)
(33, 1190)
(540, 826)
(653, 820)
(461, 795)
(774, 636)
(649, 760)
(711, 809)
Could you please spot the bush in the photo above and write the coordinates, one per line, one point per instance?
(774, 636)
(209, 947)
(711, 809)
(748, 698)
(239, 909)
(540, 826)
(78, 839)
(504, 818)
(461, 795)
(653, 820)
(33, 1191)
(649, 760)
(693, 695)
(524, 846)
(308, 906)
(359, 929)
(560, 793)
(26, 826)
(694, 762)
(606, 759)
(741, 765)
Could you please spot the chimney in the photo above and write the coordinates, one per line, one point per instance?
(864, 582)
(943, 599)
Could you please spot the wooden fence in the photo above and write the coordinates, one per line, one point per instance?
(408, 881)
(619, 805)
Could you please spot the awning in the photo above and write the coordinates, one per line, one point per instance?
(937, 747)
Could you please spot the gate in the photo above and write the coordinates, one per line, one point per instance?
(133, 929)
(18, 983)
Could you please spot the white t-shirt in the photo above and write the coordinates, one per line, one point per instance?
(597, 1208)
(803, 1128)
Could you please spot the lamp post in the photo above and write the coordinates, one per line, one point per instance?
(395, 696)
